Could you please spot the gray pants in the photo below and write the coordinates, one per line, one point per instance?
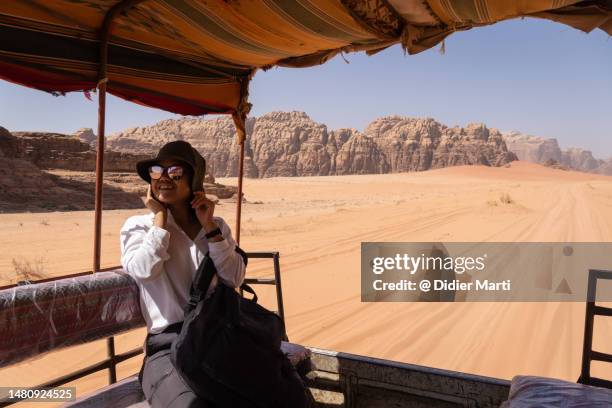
(162, 385)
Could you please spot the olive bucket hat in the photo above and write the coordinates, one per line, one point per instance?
(183, 152)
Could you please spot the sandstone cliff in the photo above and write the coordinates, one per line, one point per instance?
(292, 144)
(25, 187)
(51, 172)
(87, 135)
(68, 152)
(543, 150)
(421, 144)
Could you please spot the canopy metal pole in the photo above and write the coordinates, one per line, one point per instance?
(102, 80)
(239, 204)
(99, 173)
(239, 120)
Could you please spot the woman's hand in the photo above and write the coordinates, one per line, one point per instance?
(157, 207)
(204, 209)
(154, 204)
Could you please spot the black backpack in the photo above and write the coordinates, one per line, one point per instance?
(229, 349)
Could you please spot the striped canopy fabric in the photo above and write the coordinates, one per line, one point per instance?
(197, 56)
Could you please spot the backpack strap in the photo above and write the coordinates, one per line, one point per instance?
(203, 278)
(243, 254)
(249, 289)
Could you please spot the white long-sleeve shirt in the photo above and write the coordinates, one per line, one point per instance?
(164, 261)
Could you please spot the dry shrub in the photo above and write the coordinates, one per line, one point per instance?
(26, 270)
(506, 199)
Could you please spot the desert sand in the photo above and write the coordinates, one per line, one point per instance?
(318, 223)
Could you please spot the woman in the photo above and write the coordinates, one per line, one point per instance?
(162, 250)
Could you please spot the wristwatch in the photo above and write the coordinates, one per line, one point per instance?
(213, 233)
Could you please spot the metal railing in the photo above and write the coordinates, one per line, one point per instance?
(276, 281)
(592, 310)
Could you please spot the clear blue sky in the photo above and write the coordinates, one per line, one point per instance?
(535, 76)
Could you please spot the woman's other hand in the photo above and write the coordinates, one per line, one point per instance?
(160, 210)
(204, 209)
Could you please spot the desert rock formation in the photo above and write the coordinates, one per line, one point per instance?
(68, 152)
(543, 150)
(292, 144)
(55, 172)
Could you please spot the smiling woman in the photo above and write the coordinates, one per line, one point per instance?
(162, 250)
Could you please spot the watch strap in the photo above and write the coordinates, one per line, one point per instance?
(213, 233)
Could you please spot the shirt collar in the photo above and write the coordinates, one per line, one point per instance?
(170, 220)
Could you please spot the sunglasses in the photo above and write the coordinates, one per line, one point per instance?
(174, 172)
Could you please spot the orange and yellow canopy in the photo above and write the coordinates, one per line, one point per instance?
(196, 56)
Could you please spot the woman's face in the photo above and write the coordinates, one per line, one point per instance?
(170, 191)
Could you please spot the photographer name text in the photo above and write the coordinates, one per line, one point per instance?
(426, 285)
